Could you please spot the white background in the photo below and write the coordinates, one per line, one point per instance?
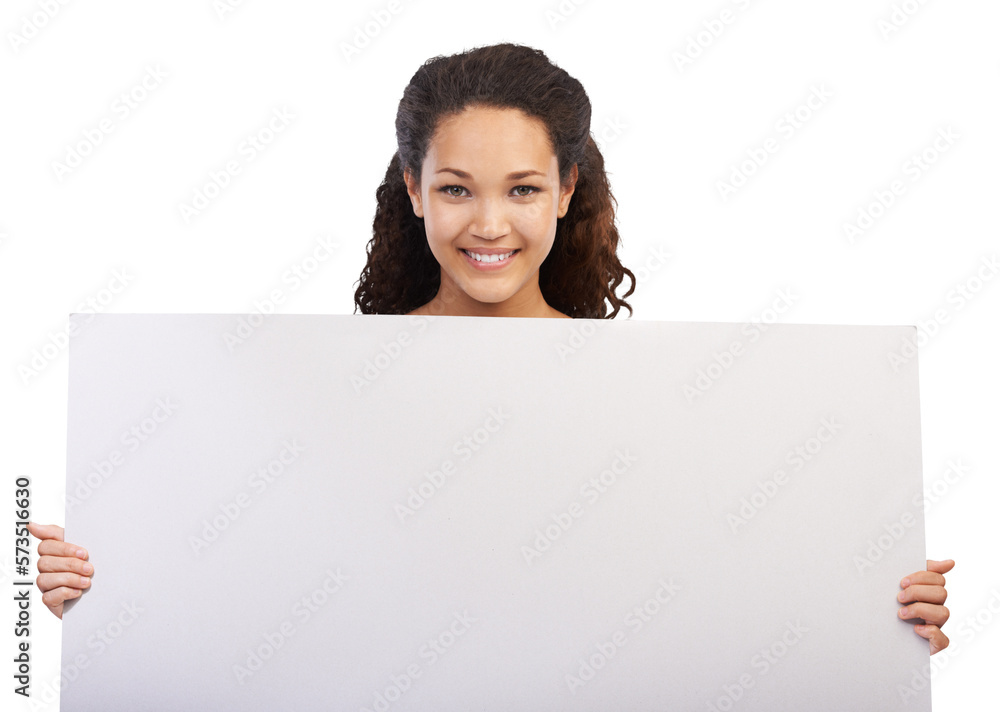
(669, 134)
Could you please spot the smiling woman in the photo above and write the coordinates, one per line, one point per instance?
(490, 230)
(496, 202)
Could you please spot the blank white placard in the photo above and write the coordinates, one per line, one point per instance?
(391, 513)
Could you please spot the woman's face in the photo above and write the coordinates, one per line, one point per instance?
(490, 196)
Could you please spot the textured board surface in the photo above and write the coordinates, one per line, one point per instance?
(392, 513)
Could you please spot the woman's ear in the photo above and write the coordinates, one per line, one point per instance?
(413, 189)
(566, 191)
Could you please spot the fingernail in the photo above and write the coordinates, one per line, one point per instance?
(81, 554)
(85, 581)
(905, 582)
(900, 595)
(87, 568)
(903, 612)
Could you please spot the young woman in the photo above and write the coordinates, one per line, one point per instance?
(495, 204)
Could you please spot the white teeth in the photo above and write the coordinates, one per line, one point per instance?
(488, 258)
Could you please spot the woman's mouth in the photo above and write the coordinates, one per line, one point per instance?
(491, 261)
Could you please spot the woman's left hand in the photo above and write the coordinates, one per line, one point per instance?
(925, 593)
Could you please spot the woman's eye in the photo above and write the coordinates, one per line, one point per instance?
(457, 191)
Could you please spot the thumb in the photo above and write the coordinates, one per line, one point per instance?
(46, 531)
(940, 567)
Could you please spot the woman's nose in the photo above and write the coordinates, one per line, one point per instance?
(490, 219)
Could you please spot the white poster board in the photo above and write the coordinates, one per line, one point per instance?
(380, 513)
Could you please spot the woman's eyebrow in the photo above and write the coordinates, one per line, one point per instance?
(517, 175)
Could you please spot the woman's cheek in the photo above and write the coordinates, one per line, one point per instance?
(537, 219)
(441, 222)
(457, 215)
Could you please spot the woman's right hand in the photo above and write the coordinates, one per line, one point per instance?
(63, 569)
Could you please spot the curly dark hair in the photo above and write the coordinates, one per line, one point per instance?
(582, 271)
